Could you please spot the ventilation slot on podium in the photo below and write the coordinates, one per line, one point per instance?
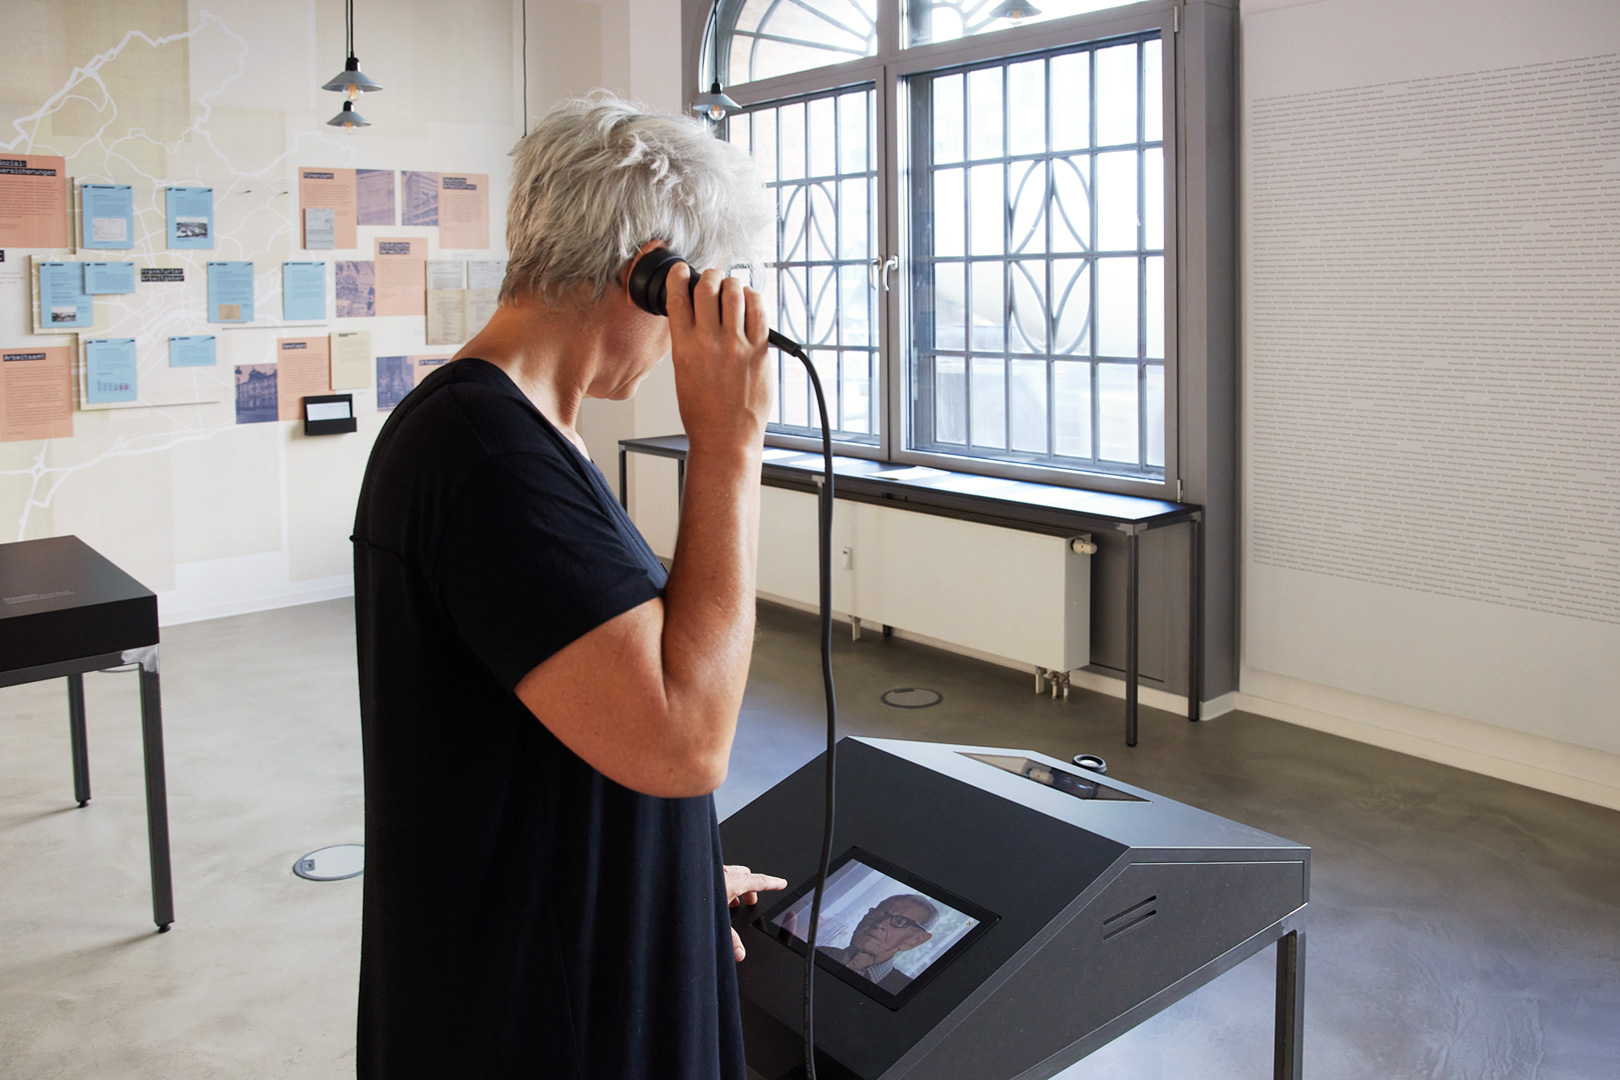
(1131, 916)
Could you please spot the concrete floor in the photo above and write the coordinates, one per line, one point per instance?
(1463, 928)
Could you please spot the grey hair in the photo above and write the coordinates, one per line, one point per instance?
(600, 176)
(923, 902)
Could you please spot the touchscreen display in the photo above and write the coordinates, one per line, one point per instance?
(883, 930)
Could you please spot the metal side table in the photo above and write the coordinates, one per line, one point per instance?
(66, 610)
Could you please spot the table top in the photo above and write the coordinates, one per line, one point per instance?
(1008, 499)
(63, 602)
(57, 574)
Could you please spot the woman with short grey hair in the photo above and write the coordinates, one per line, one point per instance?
(545, 712)
(598, 177)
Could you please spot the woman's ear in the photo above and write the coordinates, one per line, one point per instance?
(624, 272)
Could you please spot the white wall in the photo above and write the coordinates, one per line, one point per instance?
(214, 516)
(1431, 393)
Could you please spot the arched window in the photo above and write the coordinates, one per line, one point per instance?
(761, 39)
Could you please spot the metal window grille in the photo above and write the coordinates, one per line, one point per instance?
(1038, 259)
(817, 155)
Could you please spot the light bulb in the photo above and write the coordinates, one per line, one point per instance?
(717, 113)
(353, 92)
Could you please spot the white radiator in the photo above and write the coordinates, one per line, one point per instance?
(1023, 597)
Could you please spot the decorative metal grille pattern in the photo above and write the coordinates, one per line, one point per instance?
(1038, 269)
(760, 39)
(817, 156)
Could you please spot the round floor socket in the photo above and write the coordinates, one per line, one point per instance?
(912, 697)
(332, 863)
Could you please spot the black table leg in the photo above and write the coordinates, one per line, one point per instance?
(1290, 1048)
(81, 744)
(157, 799)
(1195, 617)
(1131, 626)
(680, 485)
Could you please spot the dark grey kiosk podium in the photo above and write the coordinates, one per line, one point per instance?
(996, 914)
(66, 610)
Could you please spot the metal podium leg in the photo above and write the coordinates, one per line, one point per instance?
(1132, 594)
(1290, 1054)
(157, 799)
(81, 744)
(1195, 618)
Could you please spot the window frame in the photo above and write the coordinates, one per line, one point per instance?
(888, 73)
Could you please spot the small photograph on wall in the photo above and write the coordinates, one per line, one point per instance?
(255, 393)
(374, 196)
(396, 377)
(356, 284)
(421, 198)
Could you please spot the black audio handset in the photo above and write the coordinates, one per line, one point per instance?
(649, 290)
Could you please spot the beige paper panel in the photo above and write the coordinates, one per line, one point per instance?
(18, 521)
(464, 210)
(303, 369)
(331, 189)
(226, 494)
(401, 275)
(323, 485)
(121, 505)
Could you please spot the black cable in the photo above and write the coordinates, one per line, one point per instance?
(525, 67)
(824, 521)
(648, 287)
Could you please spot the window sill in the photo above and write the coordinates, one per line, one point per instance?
(1017, 504)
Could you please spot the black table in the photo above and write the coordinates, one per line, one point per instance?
(66, 610)
(1012, 504)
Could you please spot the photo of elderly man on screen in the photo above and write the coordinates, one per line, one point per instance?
(880, 928)
(895, 925)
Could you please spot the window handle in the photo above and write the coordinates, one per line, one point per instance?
(871, 276)
(890, 264)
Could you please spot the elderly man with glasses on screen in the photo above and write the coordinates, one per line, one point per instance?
(896, 925)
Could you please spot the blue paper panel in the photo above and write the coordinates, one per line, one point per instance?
(230, 292)
(109, 370)
(195, 350)
(191, 217)
(108, 215)
(303, 290)
(109, 277)
(63, 303)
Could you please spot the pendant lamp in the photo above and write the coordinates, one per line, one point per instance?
(1014, 11)
(715, 104)
(348, 119)
(351, 80)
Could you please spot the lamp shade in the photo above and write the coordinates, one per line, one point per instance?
(348, 119)
(1014, 10)
(715, 103)
(351, 80)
